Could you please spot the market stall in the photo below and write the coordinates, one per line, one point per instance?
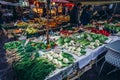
(70, 52)
(67, 52)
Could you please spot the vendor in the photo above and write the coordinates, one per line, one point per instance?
(75, 14)
(86, 15)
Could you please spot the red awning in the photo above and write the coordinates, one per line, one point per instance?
(61, 1)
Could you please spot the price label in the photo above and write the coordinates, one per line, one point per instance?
(57, 50)
(101, 27)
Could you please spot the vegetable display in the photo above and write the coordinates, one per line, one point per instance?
(31, 46)
(12, 45)
(112, 28)
(59, 59)
(103, 32)
(26, 71)
(37, 59)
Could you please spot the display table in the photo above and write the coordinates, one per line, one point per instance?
(80, 62)
(115, 46)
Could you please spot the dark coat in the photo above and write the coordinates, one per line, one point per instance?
(85, 17)
(74, 15)
(1, 19)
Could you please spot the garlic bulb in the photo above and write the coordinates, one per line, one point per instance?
(79, 49)
(50, 58)
(55, 55)
(55, 61)
(59, 64)
(97, 44)
(92, 43)
(44, 56)
(52, 53)
(92, 47)
(71, 41)
(65, 60)
(60, 57)
(47, 55)
(97, 41)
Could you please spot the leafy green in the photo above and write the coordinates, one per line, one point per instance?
(37, 69)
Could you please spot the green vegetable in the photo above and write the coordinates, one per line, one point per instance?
(36, 69)
(12, 45)
(60, 41)
(67, 40)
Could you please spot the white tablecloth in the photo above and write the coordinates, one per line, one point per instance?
(82, 61)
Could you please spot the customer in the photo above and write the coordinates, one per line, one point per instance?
(1, 17)
(75, 14)
(86, 15)
(103, 14)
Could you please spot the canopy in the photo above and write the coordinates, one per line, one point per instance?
(95, 1)
(60, 1)
(9, 3)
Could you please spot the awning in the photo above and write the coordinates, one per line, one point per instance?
(9, 3)
(60, 1)
(95, 1)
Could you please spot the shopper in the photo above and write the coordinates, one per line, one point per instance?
(103, 13)
(75, 14)
(86, 15)
(1, 18)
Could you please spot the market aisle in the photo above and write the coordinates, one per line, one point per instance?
(4, 66)
(92, 74)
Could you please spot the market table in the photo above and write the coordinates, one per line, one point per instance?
(81, 61)
(115, 46)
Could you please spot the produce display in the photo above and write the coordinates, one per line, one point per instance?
(36, 59)
(25, 70)
(94, 30)
(112, 28)
(31, 46)
(78, 43)
(66, 32)
(71, 46)
(22, 24)
(60, 60)
(31, 30)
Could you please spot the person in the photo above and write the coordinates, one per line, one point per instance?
(24, 18)
(115, 12)
(1, 18)
(103, 13)
(44, 11)
(75, 14)
(86, 15)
